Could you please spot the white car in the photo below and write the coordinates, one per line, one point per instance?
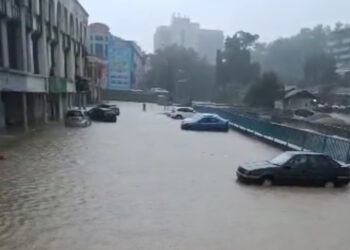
(182, 112)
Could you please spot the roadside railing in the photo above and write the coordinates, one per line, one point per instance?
(293, 138)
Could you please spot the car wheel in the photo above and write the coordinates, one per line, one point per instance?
(329, 184)
(267, 181)
(179, 117)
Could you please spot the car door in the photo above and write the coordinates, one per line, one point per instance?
(189, 113)
(204, 124)
(186, 113)
(293, 172)
(181, 112)
(212, 124)
(320, 170)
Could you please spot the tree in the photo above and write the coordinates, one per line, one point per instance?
(326, 92)
(287, 56)
(174, 65)
(319, 69)
(265, 91)
(234, 64)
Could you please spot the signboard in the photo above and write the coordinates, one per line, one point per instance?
(119, 65)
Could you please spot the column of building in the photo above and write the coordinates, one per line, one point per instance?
(5, 62)
(60, 71)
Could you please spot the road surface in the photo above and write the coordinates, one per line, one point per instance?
(145, 184)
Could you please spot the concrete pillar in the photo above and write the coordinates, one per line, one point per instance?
(2, 115)
(23, 38)
(84, 100)
(60, 107)
(49, 62)
(46, 119)
(25, 112)
(59, 56)
(71, 62)
(71, 100)
(30, 52)
(42, 52)
(4, 43)
(80, 62)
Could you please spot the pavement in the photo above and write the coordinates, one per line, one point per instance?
(143, 183)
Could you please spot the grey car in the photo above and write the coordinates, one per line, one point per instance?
(77, 118)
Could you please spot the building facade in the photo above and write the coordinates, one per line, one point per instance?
(125, 60)
(99, 36)
(42, 65)
(184, 33)
(339, 47)
(97, 75)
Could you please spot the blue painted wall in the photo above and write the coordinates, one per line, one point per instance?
(119, 65)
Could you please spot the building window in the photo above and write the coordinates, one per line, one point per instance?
(99, 38)
(99, 50)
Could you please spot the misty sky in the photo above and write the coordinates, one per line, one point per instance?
(138, 19)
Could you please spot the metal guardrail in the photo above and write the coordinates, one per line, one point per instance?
(336, 147)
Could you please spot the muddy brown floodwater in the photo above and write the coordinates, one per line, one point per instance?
(145, 184)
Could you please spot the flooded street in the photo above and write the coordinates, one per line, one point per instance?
(145, 184)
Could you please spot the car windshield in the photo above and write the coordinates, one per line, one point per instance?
(281, 159)
(197, 117)
(74, 113)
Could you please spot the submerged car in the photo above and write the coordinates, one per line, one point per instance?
(102, 115)
(296, 168)
(77, 118)
(112, 107)
(206, 122)
(182, 113)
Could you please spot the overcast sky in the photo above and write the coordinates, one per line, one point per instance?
(138, 19)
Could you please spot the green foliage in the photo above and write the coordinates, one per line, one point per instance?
(265, 91)
(177, 64)
(234, 64)
(287, 56)
(319, 69)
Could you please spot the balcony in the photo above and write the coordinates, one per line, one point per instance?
(57, 85)
(3, 7)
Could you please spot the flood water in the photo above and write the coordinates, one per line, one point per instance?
(145, 184)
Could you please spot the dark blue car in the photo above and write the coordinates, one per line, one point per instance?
(206, 122)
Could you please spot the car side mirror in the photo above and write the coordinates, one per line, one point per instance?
(287, 167)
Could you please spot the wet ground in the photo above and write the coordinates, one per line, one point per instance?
(145, 184)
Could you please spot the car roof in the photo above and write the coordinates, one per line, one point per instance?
(104, 109)
(209, 115)
(303, 153)
(107, 104)
(180, 107)
(74, 110)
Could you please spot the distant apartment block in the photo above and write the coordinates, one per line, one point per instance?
(183, 32)
(339, 47)
(125, 60)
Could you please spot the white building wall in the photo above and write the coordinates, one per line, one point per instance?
(183, 32)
